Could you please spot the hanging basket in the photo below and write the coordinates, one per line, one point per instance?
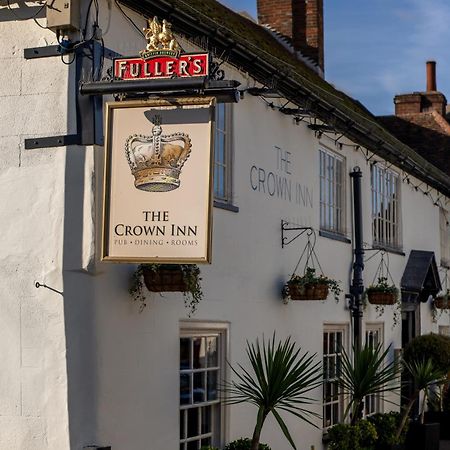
(307, 291)
(165, 279)
(442, 302)
(381, 298)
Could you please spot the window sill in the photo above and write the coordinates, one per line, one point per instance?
(395, 251)
(334, 236)
(227, 206)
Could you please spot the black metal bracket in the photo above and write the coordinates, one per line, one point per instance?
(43, 52)
(89, 110)
(285, 227)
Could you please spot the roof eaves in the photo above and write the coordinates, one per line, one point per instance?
(299, 86)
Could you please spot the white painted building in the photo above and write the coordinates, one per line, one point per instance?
(80, 364)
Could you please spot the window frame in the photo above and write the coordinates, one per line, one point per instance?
(374, 327)
(392, 239)
(225, 201)
(341, 401)
(341, 217)
(190, 329)
(444, 237)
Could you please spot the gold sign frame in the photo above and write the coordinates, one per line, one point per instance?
(156, 176)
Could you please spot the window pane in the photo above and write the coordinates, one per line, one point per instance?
(182, 430)
(192, 427)
(211, 349)
(212, 385)
(206, 442)
(185, 389)
(206, 419)
(199, 353)
(220, 116)
(199, 387)
(193, 445)
(185, 353)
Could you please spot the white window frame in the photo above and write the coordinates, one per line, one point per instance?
(223, 187)
(340, 400)
(444, 232)
(190, 329)
(386, 221)
(374, 403)
(332, 191)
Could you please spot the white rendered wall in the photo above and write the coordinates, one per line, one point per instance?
(85, 367)
(33, 382)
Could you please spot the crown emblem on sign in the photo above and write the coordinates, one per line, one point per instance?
(156, 161)
(161, 41)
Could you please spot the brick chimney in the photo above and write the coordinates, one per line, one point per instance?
(300, 22)
(418, 102)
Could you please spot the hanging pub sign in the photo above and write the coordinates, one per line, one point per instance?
(158, 202)
(162, 57)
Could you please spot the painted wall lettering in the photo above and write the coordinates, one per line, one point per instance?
(277, 182)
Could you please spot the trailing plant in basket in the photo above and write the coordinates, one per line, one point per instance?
(440, 304)
(311, 279)
(192, 294)
(382, 286)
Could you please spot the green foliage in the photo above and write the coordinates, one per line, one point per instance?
(367, 373)
(361, 436)
(386, 425)
(191, 277)
(244, 444)
(208, 447)
(310, 278)
(433, 346)
(136, 289)
(382, 285)
(279, 379)
(423, 374)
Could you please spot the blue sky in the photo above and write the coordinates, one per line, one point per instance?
(378, 48)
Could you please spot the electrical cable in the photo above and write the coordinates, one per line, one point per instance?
(129, 18)
(8, 3)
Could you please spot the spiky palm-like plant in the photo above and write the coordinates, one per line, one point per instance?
(367, 373)
(423, 373)
(279, 379)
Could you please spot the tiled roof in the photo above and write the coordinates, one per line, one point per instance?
(253, 49)
(428, 133)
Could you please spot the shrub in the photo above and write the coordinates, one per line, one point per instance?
(386, 426)
(433, 346)
(244, 444)
(361, 436)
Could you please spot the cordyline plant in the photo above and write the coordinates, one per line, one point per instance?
(366, 374)
(423, 373)
(279, 380)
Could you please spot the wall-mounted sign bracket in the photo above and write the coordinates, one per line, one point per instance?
(224, 90)
(287, 229)
(88, 61)
(43, 52)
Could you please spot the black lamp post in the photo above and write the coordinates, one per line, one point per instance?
(357, 286)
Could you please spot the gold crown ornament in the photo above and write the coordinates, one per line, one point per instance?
(156, 161)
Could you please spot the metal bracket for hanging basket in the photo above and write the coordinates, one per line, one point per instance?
(285, 227)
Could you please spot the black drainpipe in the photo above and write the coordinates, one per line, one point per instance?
(357, 286)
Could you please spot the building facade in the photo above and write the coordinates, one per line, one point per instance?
(82, 366)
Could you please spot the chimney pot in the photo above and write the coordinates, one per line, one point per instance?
(431, 76)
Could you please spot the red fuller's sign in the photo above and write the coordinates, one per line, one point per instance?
(162, 57)
(187, 65)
